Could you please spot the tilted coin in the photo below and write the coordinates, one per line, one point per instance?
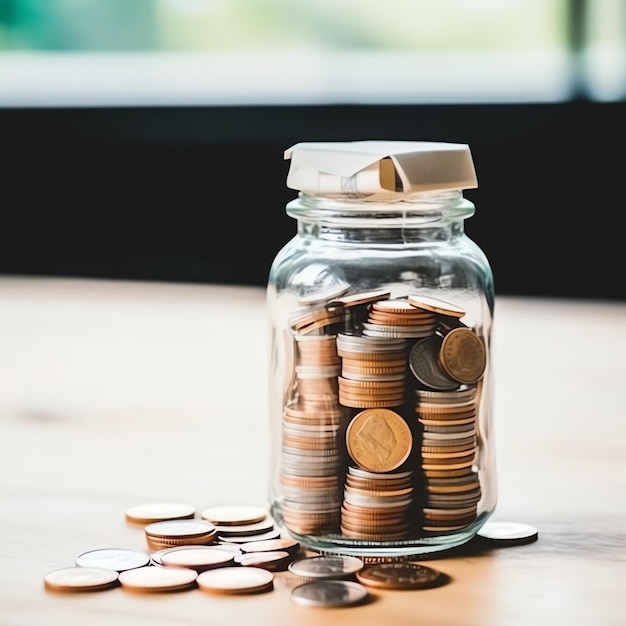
(234, 514)
(436, 305)
(463, 355)
(154, 578)
(81, 579)
(425, 366)
(378, 440)
(199, 558)
(327, 566)
(236, 580)
(273, 561)
(329, 593)
(287, 543)
(159, 511)
(118, 559)
(400, 575)
(508, 533)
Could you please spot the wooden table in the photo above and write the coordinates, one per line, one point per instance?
(118, 393)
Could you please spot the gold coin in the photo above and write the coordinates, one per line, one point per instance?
(400, 575)
(81, 579)
(463, 355)
(378, 440)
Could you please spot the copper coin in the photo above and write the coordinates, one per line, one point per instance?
(199, 558)
(435, 305)
(81, 579)
(159, 511)
(271, 545)
(236, 580)
(378, 440)
(463, 355)
(399, 575)
(273, 561)
(153, 578)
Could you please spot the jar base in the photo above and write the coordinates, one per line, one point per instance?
(427, 546)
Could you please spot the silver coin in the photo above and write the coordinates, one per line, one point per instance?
(118, 559)
(508, 533)
(424, 363)
(327, 566)
(329, 593)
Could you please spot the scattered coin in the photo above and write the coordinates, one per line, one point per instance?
(162, 578)
(81, 579)
(236, 580)
(159, 511)
(287, 544)
(273, 561)
(508, 533)
(329, 593)
(199, 558)
(236, 515)
(400, 575)
(118, 559)
(327, 566)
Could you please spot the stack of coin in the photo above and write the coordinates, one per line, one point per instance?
(398, 318)
(377, 506)
(178, 532)
(373, 371)
(449, 445)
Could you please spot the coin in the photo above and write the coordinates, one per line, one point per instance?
(378, 440)
(288, 544)
(199, 558)
(329, 593)
(158, 578)
(425, 366)
(508, 533)
(463, 355)
(159, 511)
(328, 566)
(435, 305)
(236, 579)
(118, 559)
(81, 579)
(400, 575)
(271, 560)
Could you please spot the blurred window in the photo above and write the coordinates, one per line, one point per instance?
(127, 52)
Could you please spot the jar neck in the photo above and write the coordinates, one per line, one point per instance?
(421, 216)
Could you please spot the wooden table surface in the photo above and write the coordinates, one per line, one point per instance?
(118, 393)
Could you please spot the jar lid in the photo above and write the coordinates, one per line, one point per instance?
(379, 168)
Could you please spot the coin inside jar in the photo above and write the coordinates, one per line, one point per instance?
(378, 440)
(463, 355)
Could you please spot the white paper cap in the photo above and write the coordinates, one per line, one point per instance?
(363, 168)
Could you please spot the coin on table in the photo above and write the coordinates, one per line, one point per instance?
(153, 578)
(199, 558)
(326, 566)
(155, 557)
(236, 580)
(508, 533)
(378, 440)
(271, 545)
(81, 579)
(177, 532)
(235, 515)
(159, 511)
(463, 356)
(400, 575)
(118, 559)
(329, 593)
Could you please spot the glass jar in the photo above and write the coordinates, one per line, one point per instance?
(380, 372)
